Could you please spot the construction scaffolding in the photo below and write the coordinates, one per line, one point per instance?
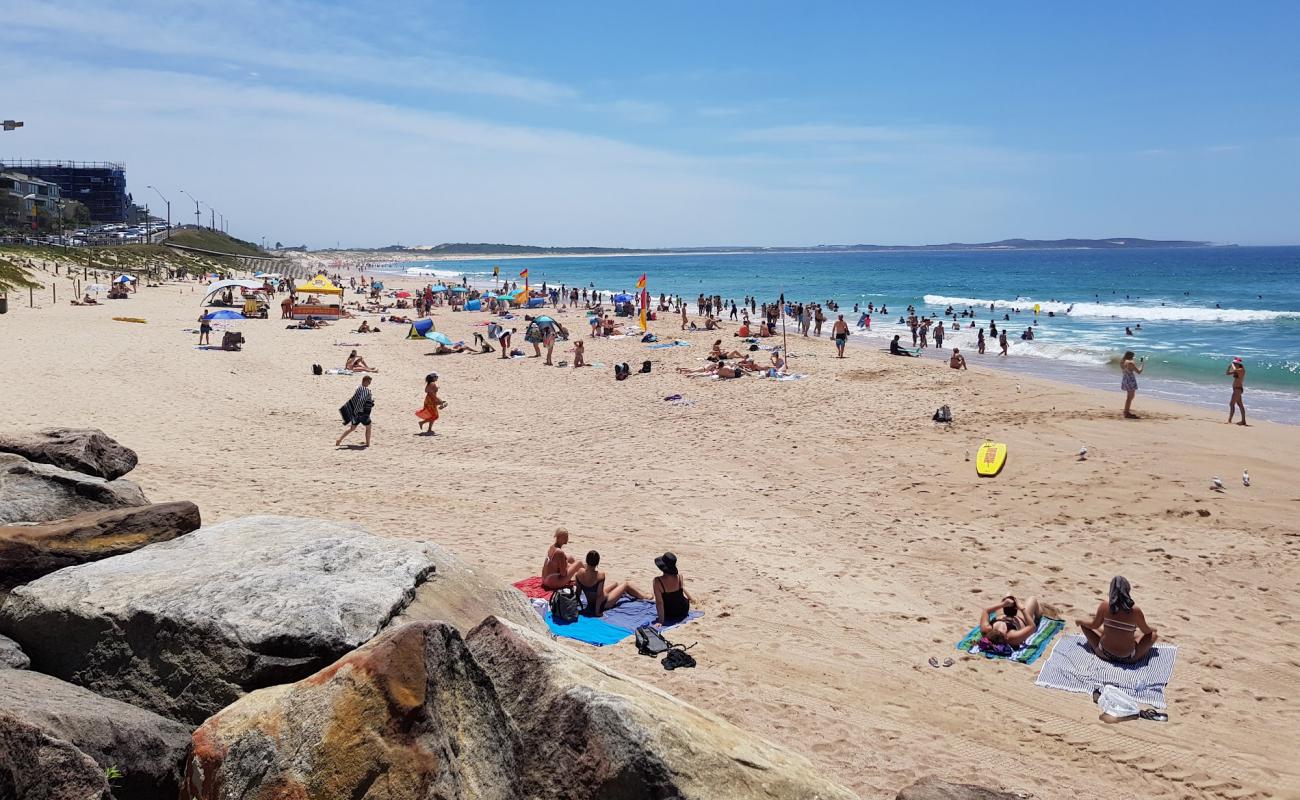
(98, 185)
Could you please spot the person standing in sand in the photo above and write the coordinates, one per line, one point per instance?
(841, 334)
(548, 340)
(1238, 372)
(356, 411)
(559, 567)
(428, 414)
(1129, 383)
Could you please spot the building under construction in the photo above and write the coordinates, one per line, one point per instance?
(98, 185)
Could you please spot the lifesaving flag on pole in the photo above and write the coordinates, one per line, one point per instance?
(645, 300)
(496, 271)
(524, 274)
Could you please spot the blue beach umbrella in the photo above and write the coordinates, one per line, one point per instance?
(224, 314)
(459, 289)
(622, 298)
(438, 336)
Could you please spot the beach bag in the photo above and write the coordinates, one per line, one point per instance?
(650, 642)
(564, 606)
(678, 657)
(317, 370)
(1114, 701)
(944, 414)
(645, 366)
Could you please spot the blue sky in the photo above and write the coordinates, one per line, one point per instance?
(676, 123)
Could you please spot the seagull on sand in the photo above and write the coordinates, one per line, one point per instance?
(1216, 484)
(1245, 478)
(1083, 453)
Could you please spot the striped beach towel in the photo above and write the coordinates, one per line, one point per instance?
(1072, 667)
(1028, 653)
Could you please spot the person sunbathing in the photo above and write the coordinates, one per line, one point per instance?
(719, 354)
(1012, 623)
(1119, 632)
(89, 301)
(559, 567)
(356, 363)
(598, 593)
(672, 601)
(458, 347)
(748, 364)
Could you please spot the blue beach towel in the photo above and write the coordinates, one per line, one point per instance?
(663, 345)
(1028, 653)
(615, 625)
(1072, 667)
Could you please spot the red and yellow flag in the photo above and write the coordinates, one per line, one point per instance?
(645, 300)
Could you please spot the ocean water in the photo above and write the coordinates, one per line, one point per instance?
(1197, 308)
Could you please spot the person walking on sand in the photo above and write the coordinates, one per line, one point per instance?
(428, 413)
(356, 411)
(1129, 382)
(1238, 372)
(841, 334)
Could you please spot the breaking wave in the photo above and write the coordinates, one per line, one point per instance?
(1118, 311)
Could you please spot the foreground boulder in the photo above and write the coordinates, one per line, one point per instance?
(148, 750)
(86, 450)
(464, 595)
(37, 766)
(409, 716)
(620, 738)
(936, 789)
(31, 492)
(28, 551)
(12, 657)
(186, 627)
(419, 714)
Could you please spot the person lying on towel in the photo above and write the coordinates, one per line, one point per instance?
(1012, 623)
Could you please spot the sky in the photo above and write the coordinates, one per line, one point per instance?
(674, 123)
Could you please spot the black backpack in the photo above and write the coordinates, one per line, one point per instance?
(650, 642)
(645, 366)
(564, 606)
(316, 369)
(944, 414)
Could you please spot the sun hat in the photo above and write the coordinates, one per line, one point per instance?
(667, 563)
(1237, 360)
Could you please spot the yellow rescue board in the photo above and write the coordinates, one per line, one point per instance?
(991, 457)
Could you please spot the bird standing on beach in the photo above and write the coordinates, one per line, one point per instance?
(1216, 484)
(1083, 453)
(1245, 478)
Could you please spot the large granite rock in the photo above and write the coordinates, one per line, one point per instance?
(935, 789)
(408, 716)
(86, 450)
(30, 550)
(31, 492)
(617, 737)
(148, 750)
(464, 596)
(186, 627)
(37, 766)
(12, 656)
(417, 714)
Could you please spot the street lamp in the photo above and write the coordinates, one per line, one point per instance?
(169, 209)
(196, 208)
(212, 218)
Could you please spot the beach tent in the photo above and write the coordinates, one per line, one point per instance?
(232, 285)
(438, 288)
(224, 314)
(319, 285)
(474, 305)
(420, 328)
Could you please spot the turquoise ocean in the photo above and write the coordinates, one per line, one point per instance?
(1197, 308)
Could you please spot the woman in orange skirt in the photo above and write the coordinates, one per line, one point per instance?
(428, 414)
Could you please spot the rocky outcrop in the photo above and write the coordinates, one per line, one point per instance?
(86, 450)
(148, 750)
(31, 492)
(186, 627)
(28, 551)
(505, 713)
(12, 656)
(409, 715)
(620, 738)
(464, 596)
(936, 789)
(37, 766)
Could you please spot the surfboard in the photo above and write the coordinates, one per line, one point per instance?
(128, 319)
(990, 459)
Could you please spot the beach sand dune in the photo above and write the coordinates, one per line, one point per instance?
(835, 537)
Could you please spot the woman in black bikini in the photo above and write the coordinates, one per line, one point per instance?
(672, 601)
(596, 595)
(1113, 633)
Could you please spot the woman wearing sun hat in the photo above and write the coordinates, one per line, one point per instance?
(1238, 372)
(672, 601)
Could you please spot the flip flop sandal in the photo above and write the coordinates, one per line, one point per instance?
(948, 662)
(1153, 715)
(934, 662)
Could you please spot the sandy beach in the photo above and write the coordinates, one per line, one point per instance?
(835, 537)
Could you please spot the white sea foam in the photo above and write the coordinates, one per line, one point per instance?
(1119, 311)
(437, 273)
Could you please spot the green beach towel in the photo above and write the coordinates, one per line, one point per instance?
(1027, 653)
